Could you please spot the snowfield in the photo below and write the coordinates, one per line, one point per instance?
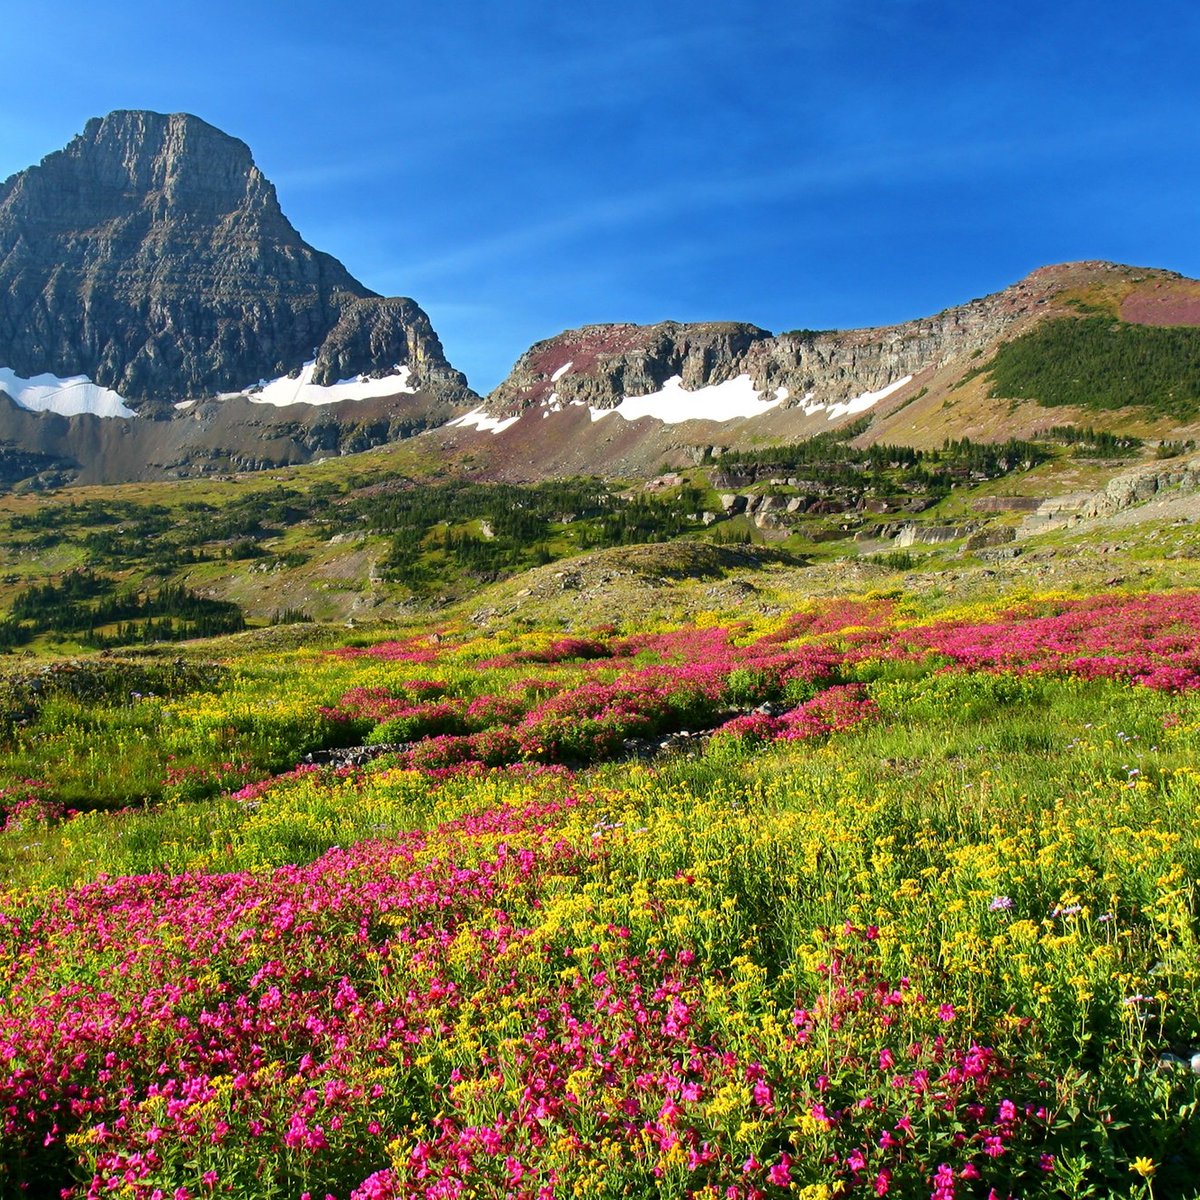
(717, 402)
(483, 422)
(78, 394)
(728, 401)
(860, 403)
(301, 390)
(69, 397)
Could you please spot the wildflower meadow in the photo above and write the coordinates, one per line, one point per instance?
(856, 901)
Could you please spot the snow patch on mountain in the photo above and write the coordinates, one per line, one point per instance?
(481, 421)
(561, 372)
(301, 389)
(69, 397)
(859, 403)
(738, 397)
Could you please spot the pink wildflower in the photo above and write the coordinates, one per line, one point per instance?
(781, 1173)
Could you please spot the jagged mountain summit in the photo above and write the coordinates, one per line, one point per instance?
(148, 264)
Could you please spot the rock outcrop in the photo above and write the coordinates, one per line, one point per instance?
(598, 365)
(152, 256)
(1136, 487)
(608, 362)
(1125, 491)
(603, 363)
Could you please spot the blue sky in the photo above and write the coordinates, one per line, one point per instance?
(526, 167)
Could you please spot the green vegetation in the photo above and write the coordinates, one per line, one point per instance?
(832, 453)
(441, 538)
(1174, 449)
(1099, 364)
(118, 534)
(1086, 442)
(100, 613)
(897, 560)
(484, 531)
(827, 464)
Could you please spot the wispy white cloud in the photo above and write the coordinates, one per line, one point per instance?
(875, 168)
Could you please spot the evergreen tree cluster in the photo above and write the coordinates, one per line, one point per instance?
(831, 458)
(486, 530)
(1100, 364)
(1087, 442)
(100, 613)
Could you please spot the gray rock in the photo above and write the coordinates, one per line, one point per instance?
(609, 362)
(151, 255)
(1125, 491)
(991, 537)
(930, 535)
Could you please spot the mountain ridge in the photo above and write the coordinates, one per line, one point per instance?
(725, 385)
(616, 355)
(147, 270)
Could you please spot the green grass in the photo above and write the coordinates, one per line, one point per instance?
(1048, 792)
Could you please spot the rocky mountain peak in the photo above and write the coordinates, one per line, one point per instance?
(176, 162)
(151, 255)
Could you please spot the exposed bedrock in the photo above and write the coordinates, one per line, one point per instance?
(151, 255)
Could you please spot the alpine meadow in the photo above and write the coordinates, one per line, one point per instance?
(712, 764)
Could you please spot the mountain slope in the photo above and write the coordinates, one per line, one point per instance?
(626, 398)
(151, 256)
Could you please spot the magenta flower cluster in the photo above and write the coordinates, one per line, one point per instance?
(185, 1037)
(652, 684)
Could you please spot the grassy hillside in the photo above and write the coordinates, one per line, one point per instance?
(371, 537)
(874, 895)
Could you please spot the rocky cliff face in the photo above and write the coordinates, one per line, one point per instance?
(152, 256)
(600, 364)
(605, 362)
(630, 400)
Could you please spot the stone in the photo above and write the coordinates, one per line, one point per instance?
(991, 537)
(929, 535)
(609, 362)
(151, 255)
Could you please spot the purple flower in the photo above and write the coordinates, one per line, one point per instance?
(1000, 904)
